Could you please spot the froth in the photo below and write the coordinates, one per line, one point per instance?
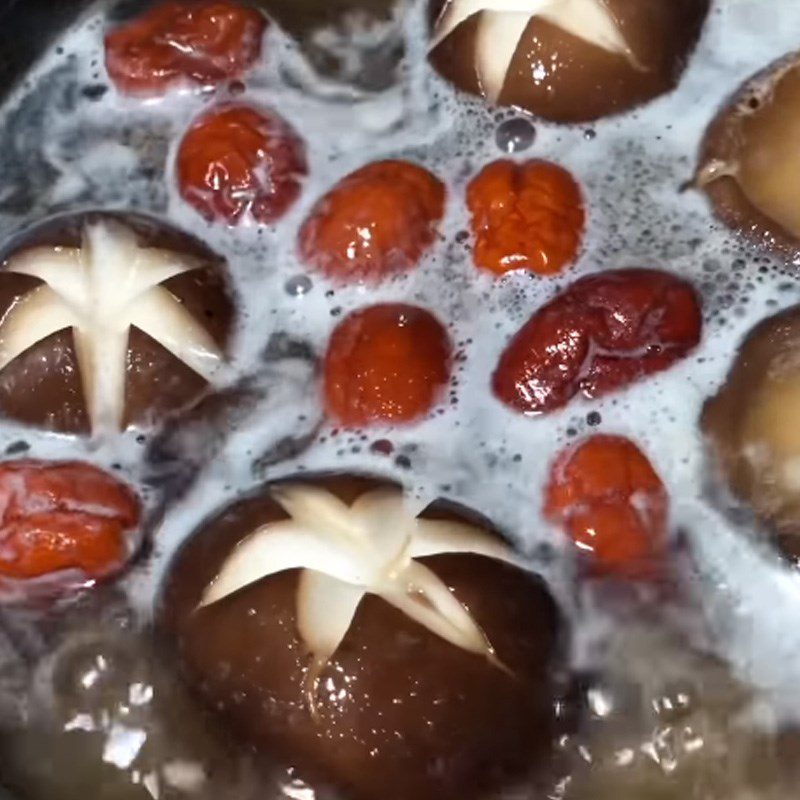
(81, 146)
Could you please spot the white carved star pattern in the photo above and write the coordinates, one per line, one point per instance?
(503, 22)
(346, 552)
(100, 290)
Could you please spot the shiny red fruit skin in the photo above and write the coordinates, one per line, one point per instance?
(237, 161)
(525, 215)
(376, 222)
(63, 516)
(602, 333)
(610, 501)
(385, 364)
(175, 43)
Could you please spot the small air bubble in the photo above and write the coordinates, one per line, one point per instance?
(589, 134)
(95, 91)
(593, 418)
(515, 135)
(298, 286)
(17, 447)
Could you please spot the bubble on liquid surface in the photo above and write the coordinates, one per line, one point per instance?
(298, 285)
(515, 135)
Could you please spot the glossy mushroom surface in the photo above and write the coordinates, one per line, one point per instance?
(566, 61)
(749, 166)
(752, 426)
(429, 683)
(108, 321)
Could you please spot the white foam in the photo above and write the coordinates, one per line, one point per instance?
(475, 450)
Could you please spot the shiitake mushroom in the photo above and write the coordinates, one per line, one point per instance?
(752, 427)
(569, 61)
(749, 165)
(394, 710)
(76, 371)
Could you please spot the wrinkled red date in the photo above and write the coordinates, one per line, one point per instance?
(237, 160)
(607, 497)
(602, 333)
(63, 516)
(201, 43)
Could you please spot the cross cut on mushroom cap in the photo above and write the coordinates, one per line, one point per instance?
(100, 290)
(503, 22)
(346, 552)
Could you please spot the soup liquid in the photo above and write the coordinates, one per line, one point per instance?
(690, 696)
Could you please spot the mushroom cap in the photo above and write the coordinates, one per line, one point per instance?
(42, 386)
(752, 427)
(747, 158)
(562, 78)
(400, 712)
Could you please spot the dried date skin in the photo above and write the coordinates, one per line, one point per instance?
(63, 516)
(527, 215)
(387, 363)
(602, 333)
(376, 222)
(202, 43)
(609, 500)
(237, 160)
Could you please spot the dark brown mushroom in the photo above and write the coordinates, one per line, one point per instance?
(749, 163)
(396, 712)
(568, 64)
(43, 385)
(753, 426)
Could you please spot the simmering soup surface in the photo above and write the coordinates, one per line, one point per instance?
(677, 685)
